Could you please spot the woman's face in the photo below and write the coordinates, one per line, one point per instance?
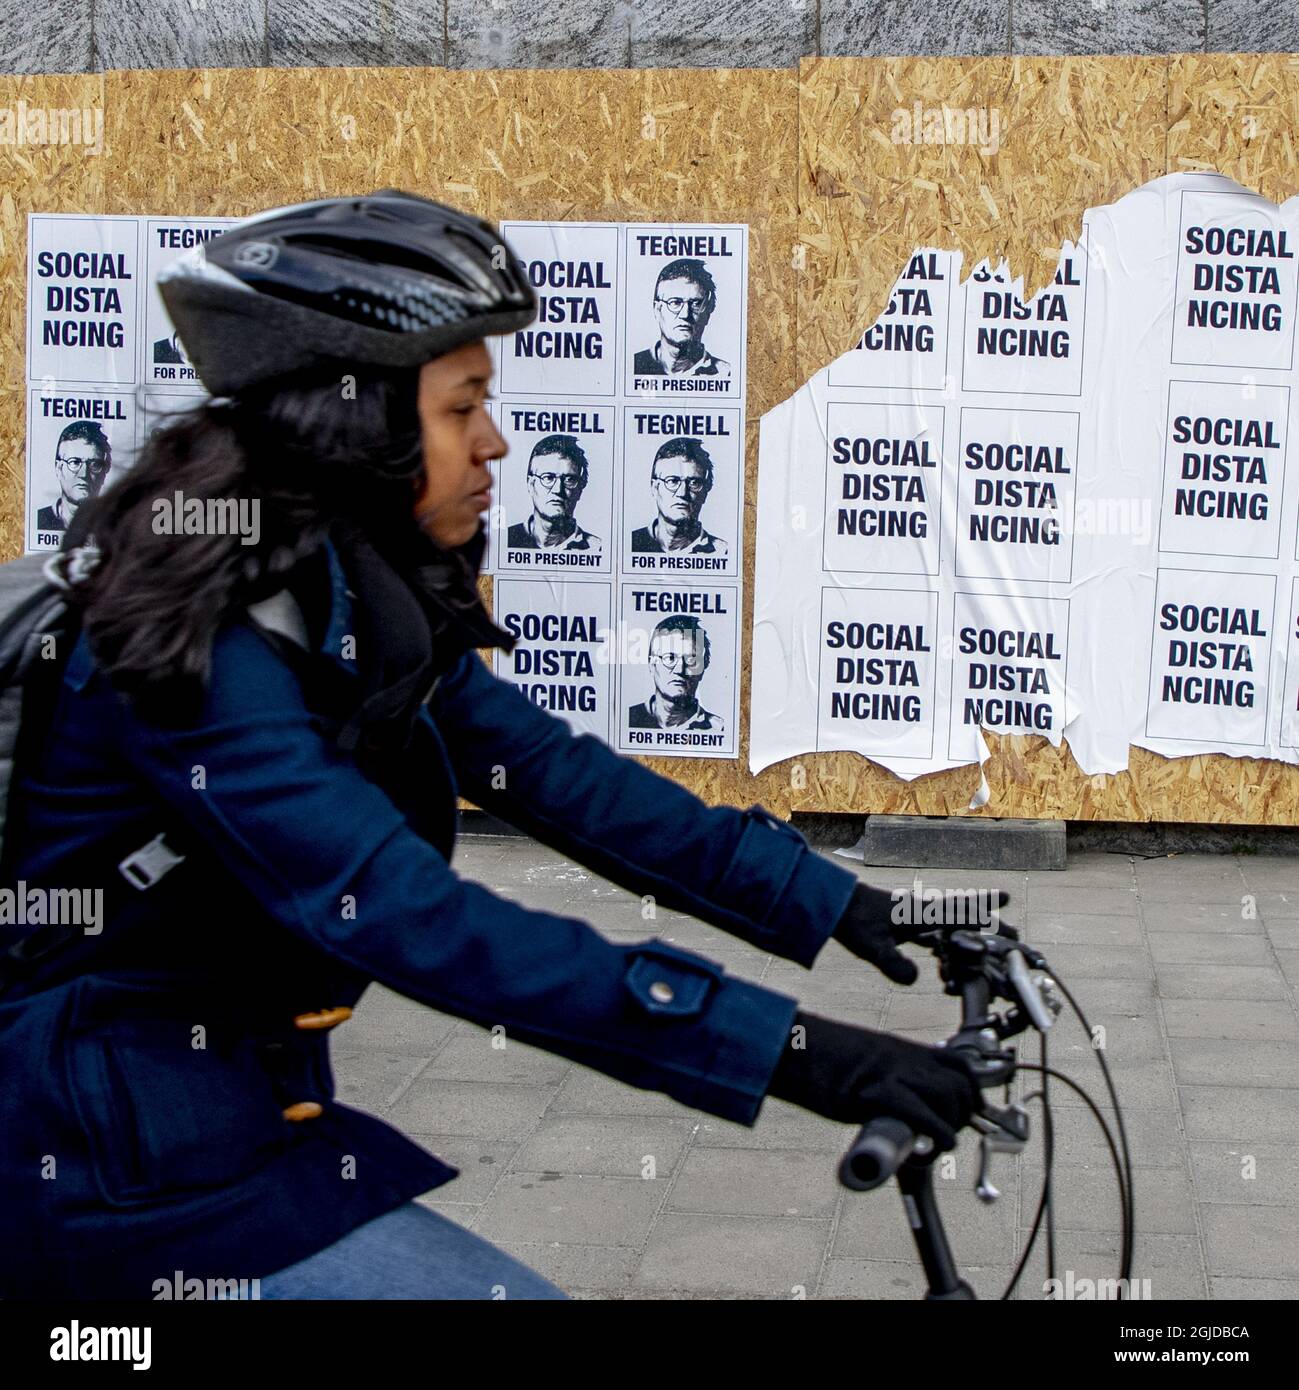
(459, 439)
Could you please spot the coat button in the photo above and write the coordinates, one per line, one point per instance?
(662, 992)
(322, 1018)
(304, 1110)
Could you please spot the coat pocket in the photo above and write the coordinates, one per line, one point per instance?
(171, 1100)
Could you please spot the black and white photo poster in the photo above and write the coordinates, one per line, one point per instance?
(685, 311)
(623, 412)
(678, 690)
(555, 489)
(1080, 496)
(76, 439)
(622, 407)
(104, 363)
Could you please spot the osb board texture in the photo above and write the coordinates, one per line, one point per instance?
(1073, 133)
(705, 145)
(636, 145)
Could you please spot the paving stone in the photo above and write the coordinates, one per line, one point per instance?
(607, 1269)
(1100, 961)
(1233, 1061)
(1289, 963)
(1155, 1137)
(1248, 983)
(1171, 1263)
(1267, 1020)
(760, 1256)
(613, 1146)
(477, 1109)
(1250, 1241)
(1086, 1198)
(1046, 929)
(900, 1281)
(1203, 948)
(563, 1191)
(1282, 906)
(1140, 1084)
(873, 1225)
(1122, 1037)
(1283, 935)
(1284, 1290)
(482, 1163)
(1194, 916)
(1222, 1173)
(780, 1125)
(371, 1079)
(1273, 872)
(1240, 1113)
(587, 1092)
(462, 1213)
(757, 1182)
(1217, 889)
(471, 1056)
(390, 1022)
(1087, 900)
(537, 1208)
(1097, 996)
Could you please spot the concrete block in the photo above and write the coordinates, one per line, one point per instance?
(962, 842)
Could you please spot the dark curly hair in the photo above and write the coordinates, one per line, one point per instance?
(309, 452)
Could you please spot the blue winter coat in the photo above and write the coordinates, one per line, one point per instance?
(143, 1088)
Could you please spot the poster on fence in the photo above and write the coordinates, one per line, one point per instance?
(1065, 515)
(622, 408)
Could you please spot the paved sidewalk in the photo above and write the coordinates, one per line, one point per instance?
(1189, 964)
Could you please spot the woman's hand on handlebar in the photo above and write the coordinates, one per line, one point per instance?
(854, 1074)
(876, 920)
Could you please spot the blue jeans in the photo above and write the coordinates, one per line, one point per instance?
(410, 1252)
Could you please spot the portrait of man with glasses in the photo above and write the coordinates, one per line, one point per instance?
(685, 296)
(557, 476)
(679, 654)
(681, 477)
(82, 459)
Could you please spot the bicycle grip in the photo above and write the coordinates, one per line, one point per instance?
(881, 1147)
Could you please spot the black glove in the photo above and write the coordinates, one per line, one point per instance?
(875, 920)
(854, 1075)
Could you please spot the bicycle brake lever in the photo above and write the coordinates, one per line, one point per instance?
(1002, 1130)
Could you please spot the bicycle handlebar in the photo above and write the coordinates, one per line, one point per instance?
(882, 1146)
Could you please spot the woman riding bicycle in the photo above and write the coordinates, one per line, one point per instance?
(254, 751)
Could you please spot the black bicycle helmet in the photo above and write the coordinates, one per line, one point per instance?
(389, 280)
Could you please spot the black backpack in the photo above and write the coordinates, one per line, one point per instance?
(38, 629)
(39, 626)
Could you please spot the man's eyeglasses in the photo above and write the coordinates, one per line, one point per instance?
(675, 483)
(88, 466)
(693, 307)
(569, 482)
(690, 662)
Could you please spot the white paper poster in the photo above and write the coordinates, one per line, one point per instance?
(623, 409)
(104, 364)
(1066, 516)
